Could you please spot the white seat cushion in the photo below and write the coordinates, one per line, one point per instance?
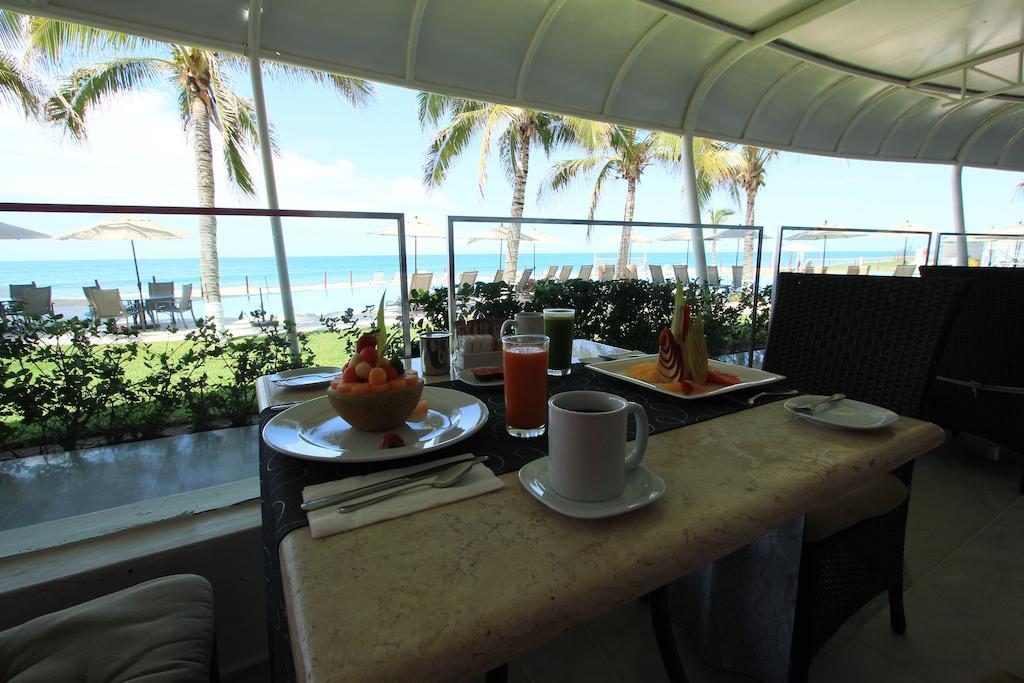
(160, 631)
(872, 499)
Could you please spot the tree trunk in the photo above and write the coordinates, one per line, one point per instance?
(518, 203)
(627, 230)
(748, 239)
(209, 267)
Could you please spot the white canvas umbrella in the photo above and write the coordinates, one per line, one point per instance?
(725, 234)
(13, 232)
(129, 228)
(823, 235)
(500, 234)
(538, 236)
(414, 228)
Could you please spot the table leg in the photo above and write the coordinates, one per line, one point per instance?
(661, 619)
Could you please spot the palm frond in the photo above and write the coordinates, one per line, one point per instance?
(91, 86)
(595, 195)
(564, 173)
(508, 152)
(445, 148)
(355, 91)
(13, 27)
(236, 120)
(497, 120)
(18, 86)
(54, 41)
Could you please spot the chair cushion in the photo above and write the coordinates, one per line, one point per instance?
(872, 499)
(158, 631)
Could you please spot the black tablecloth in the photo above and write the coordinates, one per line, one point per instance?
(282, 478)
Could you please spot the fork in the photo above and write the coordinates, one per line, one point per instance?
(754, 399)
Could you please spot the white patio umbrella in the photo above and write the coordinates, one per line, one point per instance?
(908, 226)
(539, 236)
(414, 228)
(823, 235)
(13, 232)
(129, 228)
(500, 234)
(725, 234)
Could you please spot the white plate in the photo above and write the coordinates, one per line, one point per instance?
(313, 431)
(300, 379)
(643, 487)
(844, 413)
(750, 377)
(467, 377)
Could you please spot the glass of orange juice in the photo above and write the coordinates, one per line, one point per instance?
(526, 384)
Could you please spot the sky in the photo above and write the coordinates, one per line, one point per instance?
(333, 156)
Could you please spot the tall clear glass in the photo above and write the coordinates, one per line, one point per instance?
(558, 324)
(525, 357)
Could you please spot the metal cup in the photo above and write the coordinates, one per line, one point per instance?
(435, 352)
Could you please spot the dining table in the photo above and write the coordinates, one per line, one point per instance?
(456, 591)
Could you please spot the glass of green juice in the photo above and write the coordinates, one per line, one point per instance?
(558, 324)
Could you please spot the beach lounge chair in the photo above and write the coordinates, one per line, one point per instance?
(607, 273)
(36, 301)
(550, 275)
(468, 278)
(421, 282)
(630, 273)
(183, 303)
(905, 270)
(499, 276)
(657, 277)
(713, 279)
(737, 277)
(109, 305)
(585, 272)
(88, 290)
(565, 273)
(524, 280)
(853, 270)
(682, 273)
(18, 291)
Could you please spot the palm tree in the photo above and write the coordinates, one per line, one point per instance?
(623, 153)
(517, 130)
(719, 216)
(19, 87)
(202, 81)
(747, 176)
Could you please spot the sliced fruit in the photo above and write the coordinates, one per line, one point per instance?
(396, 384)
(670, 360)
(363, 370)
(420, 410)
(369, 355)
(391, 441)
(366, 341)
(391, 372)
(377, 376)
(725, 378)
(411, 380)
(359, 388)
(341, 387)
(350, 375)
(378, 388)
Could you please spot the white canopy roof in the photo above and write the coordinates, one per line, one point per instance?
(907, 80)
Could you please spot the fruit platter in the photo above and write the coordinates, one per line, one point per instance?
(681, 367)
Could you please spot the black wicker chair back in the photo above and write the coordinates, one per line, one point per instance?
(986, 346)
(876, 339)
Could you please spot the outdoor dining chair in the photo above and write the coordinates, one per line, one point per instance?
(18, 291)
(980, 387)
(161, 629)
(161, 300)
(109, 305)
(182, 304)
(737, 277)
(713, 279)
(682, 273)
(37, 301)
(564, 274)
(657, 277)
(585, 272)
(887, 355)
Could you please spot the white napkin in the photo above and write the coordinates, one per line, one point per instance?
(328, 521)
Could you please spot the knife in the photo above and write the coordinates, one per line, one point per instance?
(336, 498)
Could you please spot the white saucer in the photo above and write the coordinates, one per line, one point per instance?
(643, 487)
(843, 413)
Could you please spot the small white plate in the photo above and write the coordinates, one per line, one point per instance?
(302, 379)
(843, 413)
(467, 377)
(643, 487)
(313, 431)
(749, 377)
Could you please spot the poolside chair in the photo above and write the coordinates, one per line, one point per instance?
(550, 275)
(421, 282)
(585, 272)
(468, 278)
(109, 305)
(905, 270)
(499, 276)
(682, 273)
(524, 281)
(37, 301)
(18, 291)
(657, 277)
(564, 274)
(184, 303)
(853, 270)
(88, 290)
(713, 279)
(852, 548)
(607, 273)
(983, 353)
(737, 277)
(163, 292)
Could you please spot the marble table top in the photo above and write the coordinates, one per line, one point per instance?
(454, 591)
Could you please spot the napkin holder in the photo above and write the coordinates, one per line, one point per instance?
(487, 359)
(468, 337)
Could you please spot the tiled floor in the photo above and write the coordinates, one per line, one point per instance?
(46, 487)
(964, 601)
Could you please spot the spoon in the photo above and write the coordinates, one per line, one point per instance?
(447, 478)
(809, 407)
(757, 397)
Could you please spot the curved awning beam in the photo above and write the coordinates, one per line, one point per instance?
(413, 41)
(987, 56)
(864, 109)
(911, 111)
(817, 102)
(1010, 145)
(649, 35)
(535, 41)
(939, 123)
(770, 93)
(989, 121)
(755, 40)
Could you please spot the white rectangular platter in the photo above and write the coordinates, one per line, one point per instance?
(750, 377)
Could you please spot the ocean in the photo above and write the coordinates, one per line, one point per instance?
(308, 273)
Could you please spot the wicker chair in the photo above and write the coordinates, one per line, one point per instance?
(984, 348)
(877, 340)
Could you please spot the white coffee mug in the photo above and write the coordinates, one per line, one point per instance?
(587, 444)
(526, 323)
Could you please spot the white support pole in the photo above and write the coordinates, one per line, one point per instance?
(693, 208)
(958, 216)
(267, 157)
